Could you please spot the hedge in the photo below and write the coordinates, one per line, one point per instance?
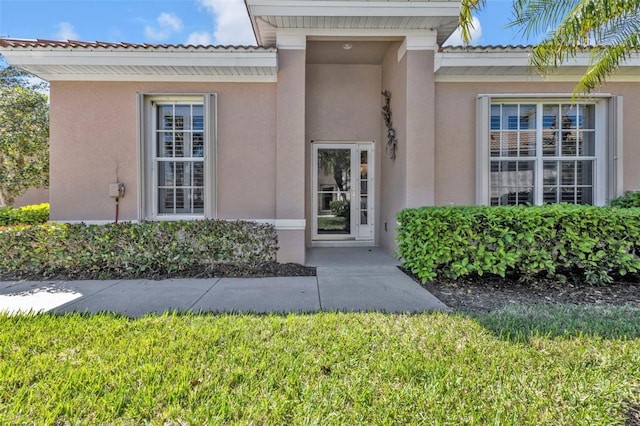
(28, 215)
(629, 200)
(595, 244)
(133, 249)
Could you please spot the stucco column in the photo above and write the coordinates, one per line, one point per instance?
(420, 130)
(290, 153)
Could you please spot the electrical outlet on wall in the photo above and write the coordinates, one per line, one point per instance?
(116, 190)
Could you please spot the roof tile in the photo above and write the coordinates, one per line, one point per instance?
(75, 44)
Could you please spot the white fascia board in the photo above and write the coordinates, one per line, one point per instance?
(372, 34)
(526, 78)
(490, 78)
(149, 58)
(507, 59)
(481, 59)
(352, 8)
(169, 78)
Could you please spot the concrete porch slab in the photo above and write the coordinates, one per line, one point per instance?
(382, 289)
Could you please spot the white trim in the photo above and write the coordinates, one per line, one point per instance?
(177, 65)
(491, 78)
(348, 243)
(356, 232)
(280, 224)
(542, 97)
(427, 41)
(493, 57)
(211, 154)
(483, 109)
(93, 222)
(324, 8)
(264, 57)
(603, 172)
(290, 40)
(370, 34)
(141, 152)
(170, 78)
(147, 178)
(616, 143)
(527, 78)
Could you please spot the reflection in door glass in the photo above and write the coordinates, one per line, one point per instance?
(334, 191)
(363, 187)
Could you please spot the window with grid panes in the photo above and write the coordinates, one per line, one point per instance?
(178, 160)
(542, 152)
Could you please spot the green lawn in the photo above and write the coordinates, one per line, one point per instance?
(513, 367)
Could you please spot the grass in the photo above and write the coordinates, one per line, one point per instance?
(328, 368)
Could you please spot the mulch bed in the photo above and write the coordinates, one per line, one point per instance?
(488, 293)
(221, 270)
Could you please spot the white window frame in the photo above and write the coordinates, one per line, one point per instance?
(608, 162)
(147, 173)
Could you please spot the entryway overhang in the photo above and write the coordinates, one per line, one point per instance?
(268, 16)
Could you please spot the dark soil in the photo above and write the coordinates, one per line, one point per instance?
(222, 270)
(485, 294)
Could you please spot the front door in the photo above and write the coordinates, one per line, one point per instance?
(343, 191)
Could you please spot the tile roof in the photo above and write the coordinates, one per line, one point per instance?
(493, 48)
(65, 44)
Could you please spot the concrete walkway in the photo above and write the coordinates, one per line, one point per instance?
(353, 279)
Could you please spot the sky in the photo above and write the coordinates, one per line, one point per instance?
(220, 22)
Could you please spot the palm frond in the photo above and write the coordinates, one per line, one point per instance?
(467, 9)
(608, 29)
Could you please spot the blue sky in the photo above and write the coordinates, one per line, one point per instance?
(173, 21)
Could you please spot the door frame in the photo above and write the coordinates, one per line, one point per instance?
(359, 234)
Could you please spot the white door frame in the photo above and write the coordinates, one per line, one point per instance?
(361, 233)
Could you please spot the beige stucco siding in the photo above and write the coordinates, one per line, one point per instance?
(455, 124)
(94, 131)
(393, 172)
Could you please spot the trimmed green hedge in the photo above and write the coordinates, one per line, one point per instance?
(28, 215)
(628, 200)
(133, 249)
(594, 243)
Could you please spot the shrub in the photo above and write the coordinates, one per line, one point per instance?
(133, 249)
(594, 243)
(28, 215)
(628, 200)
(340, 208)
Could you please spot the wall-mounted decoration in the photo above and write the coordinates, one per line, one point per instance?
(392, 142)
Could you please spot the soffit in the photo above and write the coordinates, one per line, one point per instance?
(98, 61)
(360, 52)
(267, 16)
(510, 60)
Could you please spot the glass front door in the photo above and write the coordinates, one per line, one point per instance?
(342, 199)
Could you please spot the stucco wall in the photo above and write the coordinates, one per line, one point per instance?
(290, 151)
(342, 104)
(94, 132)
(393, 173)
(455, 124)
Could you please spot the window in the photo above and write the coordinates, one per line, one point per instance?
(178, 152)
(544, 151)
